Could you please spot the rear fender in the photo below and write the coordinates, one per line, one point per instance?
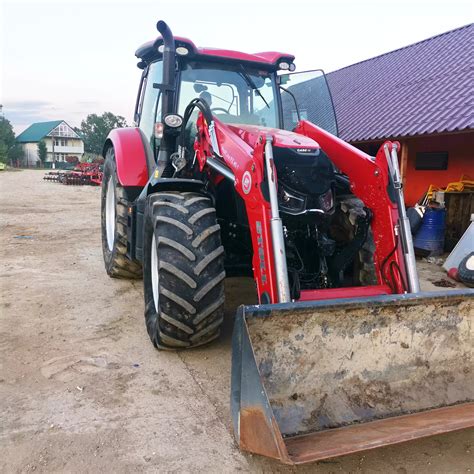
(133, 157)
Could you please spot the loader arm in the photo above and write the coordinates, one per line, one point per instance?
(241, 164)
(370, 182)
(224, 153)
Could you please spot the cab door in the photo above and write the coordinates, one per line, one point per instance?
(149, 110)
(306, 96)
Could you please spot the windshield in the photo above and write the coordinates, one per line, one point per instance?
(236, 94)
(312, 94)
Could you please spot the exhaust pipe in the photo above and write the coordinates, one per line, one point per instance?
(169, 75)
(167, 88)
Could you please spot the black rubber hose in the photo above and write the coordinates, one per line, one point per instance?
(392, 267)
(203, 107)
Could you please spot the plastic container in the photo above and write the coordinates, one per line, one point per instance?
(415, 217)
(430, 237)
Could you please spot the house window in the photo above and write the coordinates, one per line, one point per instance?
(63, 130)
(431, 161)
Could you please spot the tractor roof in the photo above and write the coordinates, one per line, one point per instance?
(149, 51)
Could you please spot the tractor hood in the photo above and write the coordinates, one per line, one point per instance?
(282, 138)
(301, 164)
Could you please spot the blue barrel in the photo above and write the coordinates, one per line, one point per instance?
(430, 237)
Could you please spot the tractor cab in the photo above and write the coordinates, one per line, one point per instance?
(259, 90)
(251, 95)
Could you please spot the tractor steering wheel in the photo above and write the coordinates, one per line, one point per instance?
(215, 109)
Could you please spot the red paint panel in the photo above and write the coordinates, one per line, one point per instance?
(352, 292)
(130, 156)
(270, 57)
(281, 138)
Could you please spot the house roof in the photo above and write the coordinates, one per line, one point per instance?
(37, 131)
(422, 88)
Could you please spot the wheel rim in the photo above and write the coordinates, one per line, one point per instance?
(155, 278)
(470, 263)
(110, 214)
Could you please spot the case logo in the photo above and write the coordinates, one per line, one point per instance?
(246, 182)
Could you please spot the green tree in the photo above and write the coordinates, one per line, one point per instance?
(95, 128)
(42, 151)
(3, 153)
(10, 150)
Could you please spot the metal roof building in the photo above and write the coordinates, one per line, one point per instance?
(423, 88)
(422, 95)
(37, 131)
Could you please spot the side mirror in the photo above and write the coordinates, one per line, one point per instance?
(200, 87)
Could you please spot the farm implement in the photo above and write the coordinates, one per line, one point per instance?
(82, 174)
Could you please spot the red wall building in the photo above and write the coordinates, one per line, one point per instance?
(457, 147)
(420, 95)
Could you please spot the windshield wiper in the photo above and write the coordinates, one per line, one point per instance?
(251, 84)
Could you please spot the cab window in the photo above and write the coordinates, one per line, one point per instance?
(235, 94)
(151, 104)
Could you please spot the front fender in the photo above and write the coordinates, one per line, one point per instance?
(130, 155)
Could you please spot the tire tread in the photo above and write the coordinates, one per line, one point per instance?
(191, 271)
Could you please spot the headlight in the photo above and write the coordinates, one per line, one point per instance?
(173, 120)
(290, 202)
(286, 66)
(182, 51)
(326, 200)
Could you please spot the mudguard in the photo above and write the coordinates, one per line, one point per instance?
(130, 155)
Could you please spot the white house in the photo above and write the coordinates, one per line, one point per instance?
(60, 139)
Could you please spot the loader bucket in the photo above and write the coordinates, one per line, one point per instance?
(315, 380)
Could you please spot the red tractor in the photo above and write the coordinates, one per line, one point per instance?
(234, 168)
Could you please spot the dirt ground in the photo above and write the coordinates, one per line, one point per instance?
(83, 390)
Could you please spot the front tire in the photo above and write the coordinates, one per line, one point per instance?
(114, 224)
(183, 270)
(349, 208)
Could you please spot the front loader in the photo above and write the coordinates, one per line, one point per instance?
(234, 168)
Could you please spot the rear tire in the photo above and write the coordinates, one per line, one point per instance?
(114, 224)
(183, 271)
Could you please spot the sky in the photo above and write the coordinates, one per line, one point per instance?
(65, 59)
